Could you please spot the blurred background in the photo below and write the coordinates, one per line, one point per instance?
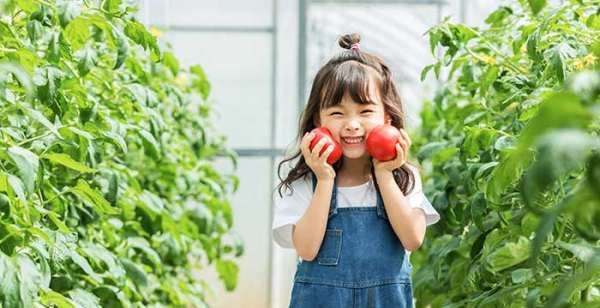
(261, 57)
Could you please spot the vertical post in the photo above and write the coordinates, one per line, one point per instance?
(303, 6)
(463, 11)
(273, 142)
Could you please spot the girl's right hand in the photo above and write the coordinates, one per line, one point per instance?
(318, 164)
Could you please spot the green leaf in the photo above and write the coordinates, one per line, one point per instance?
(87, 58)
(478, 210)
(425, 70)
(17, 187)
(28, 6)
(199, 81)
(112, 6)
(579, 281)
(97, 252)
(58, 223)
(138, 33)
(521, 275)
(496, 17)
(48, 81)
(67, 161)
(67, 11)
(582, 251)
(171, 62)
(150, 144)
(84, 265)
(557, 56)
(77, 32)
(143, 245)
(84, 299)
(38, 116)
(49, 297)
(93, 198)
(430, 149)
(536, 5)
(27, 164)
(562, 109)
(581, 194)
(20, 74)
(532, 46)
(559, 152)
(113, 189)
(228, 273)
(488, 78)
(29, 279)
(136, 274)
(508, 255)
(9, 283)
(117, 140)
(122, 48)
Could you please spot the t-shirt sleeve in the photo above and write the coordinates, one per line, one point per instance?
(289, 208)
(417, 199)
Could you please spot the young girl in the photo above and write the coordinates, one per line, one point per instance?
(352, 223)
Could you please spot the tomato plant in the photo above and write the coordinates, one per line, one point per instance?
(108, 196)
(511, 150)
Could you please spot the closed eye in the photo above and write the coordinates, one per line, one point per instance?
(334, 113)
(365, 111)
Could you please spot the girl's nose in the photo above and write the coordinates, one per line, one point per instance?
(352, 126)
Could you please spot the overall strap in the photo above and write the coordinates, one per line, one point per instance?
(380, 207)
(333, 205)
(381, 212)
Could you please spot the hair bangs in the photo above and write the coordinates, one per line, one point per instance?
(349, 78)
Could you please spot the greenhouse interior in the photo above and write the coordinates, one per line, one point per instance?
(143, 145)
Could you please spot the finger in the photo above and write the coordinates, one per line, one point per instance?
(325, 156)
(401, 156)
(317, 149)
(304, 145)
(406, 137)
(403, 145)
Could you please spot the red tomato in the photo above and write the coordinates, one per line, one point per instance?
(322, 132)
(381, 142)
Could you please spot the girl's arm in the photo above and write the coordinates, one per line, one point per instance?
(408, 223)
(308, 232)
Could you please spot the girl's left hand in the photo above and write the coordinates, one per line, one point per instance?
(402, 148)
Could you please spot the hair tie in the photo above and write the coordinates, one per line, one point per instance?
(355, 46)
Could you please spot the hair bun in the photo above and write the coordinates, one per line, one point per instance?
(347, 40)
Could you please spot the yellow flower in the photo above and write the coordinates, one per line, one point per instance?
(181, 80)
(487, 59)
(155, 32)
(590, 59)
(579, 64)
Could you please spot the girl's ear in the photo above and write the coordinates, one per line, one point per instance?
(388, 119)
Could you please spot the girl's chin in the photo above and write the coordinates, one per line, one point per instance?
(355, 154)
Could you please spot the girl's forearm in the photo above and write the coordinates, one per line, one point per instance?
(408, 223)
(308, 232)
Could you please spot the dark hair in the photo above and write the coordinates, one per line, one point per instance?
(348, 73)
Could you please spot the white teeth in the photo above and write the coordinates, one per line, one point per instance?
(353, 140)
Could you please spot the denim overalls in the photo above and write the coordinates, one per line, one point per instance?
(361, 263)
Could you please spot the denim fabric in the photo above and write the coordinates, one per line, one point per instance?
(361, 263)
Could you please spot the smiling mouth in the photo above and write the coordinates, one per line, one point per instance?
(353, 140)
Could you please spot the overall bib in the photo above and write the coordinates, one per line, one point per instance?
(361, 263)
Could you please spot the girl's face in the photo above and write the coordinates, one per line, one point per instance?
(350, 122)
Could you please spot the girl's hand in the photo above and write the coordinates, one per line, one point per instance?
(318, 164)
(402, 148)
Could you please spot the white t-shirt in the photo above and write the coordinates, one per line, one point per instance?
(290, 208)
